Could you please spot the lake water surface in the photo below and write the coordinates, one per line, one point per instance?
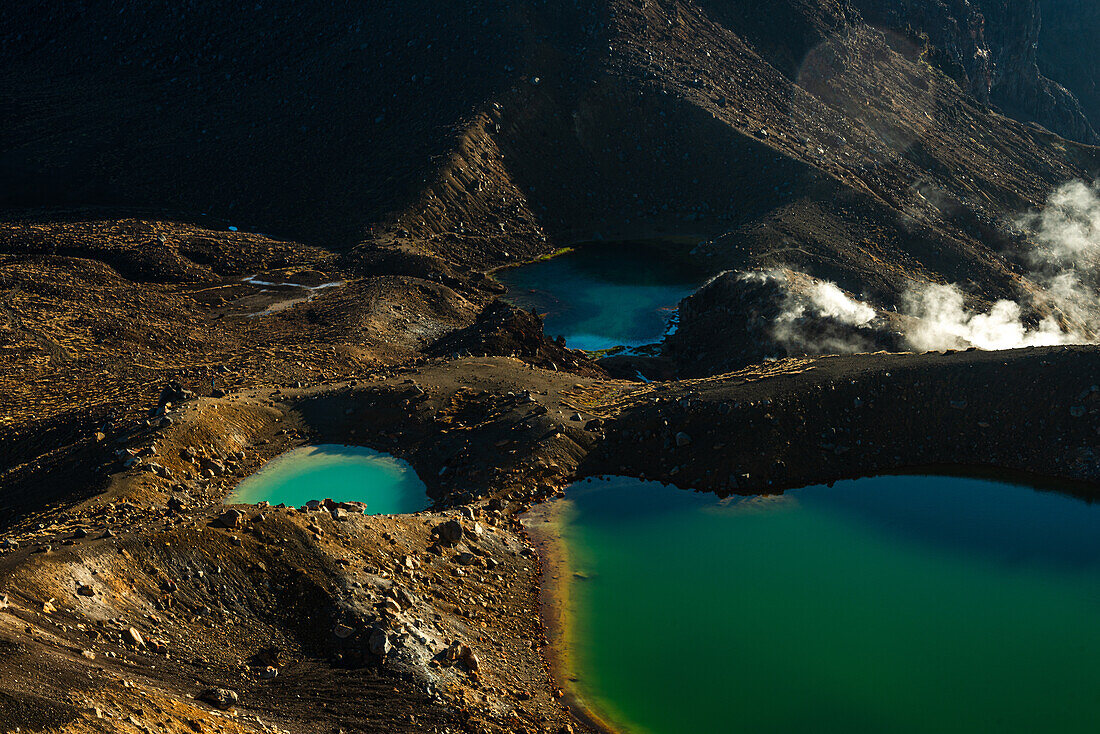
(605, 295)
(342, 473)
(893, 604)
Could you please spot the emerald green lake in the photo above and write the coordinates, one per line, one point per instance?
(342, 473)
(893, 604)
(605, 295)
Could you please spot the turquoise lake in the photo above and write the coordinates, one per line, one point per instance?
(343, 473)
(605, 295)
(912, 604)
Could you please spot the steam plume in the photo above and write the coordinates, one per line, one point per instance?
(940, 320)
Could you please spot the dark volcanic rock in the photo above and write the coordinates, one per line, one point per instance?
(231, 519)
(742, 318)
(449, 532)
(504, 330)
(223, 698)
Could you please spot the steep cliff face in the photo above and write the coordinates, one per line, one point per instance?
(991, 47)
(1019, 86)
(955, 34)
(1067, 49)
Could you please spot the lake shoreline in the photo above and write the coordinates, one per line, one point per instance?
(543, 524)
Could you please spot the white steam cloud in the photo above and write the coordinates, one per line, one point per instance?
(1064, 262)
(1063, 258)
(1068, 228)
(815, 316)
(829, 300)
(1062, 295)
(939, 320)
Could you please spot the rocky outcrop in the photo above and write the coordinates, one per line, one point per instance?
(741, 318)
(504, 330)
(990, 47)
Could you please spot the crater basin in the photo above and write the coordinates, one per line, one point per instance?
(891, 604)
(342, 473)
(605, 295)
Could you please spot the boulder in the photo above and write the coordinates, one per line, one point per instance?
(231, 519)
(458, 652)
(379, 642)
(355, 508)
(223, 698)
(449, 532)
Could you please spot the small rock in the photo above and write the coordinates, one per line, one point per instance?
(449, 532)
(343, 631)
(379, 642)
(223, 698)
(458, 652)
(356, 508)
(158, 469)
(85, 590)
(132, 637)
(682, 439)
(231, 519)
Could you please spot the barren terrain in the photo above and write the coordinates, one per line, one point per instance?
(229, 231)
